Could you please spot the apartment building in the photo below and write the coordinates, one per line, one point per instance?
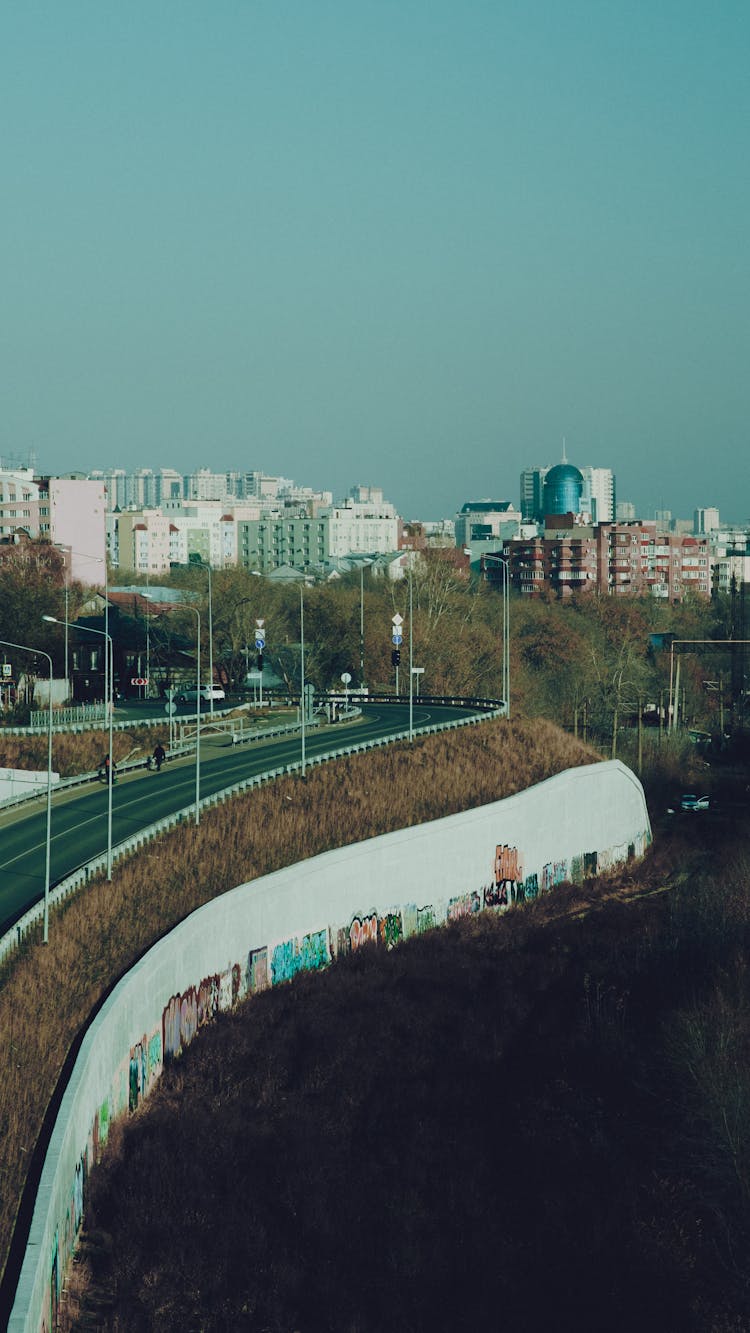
(599, 498)
(619, 559)
(20, 505)
(730, 571)
(361, 526)
(268, 543)
(144, 541)
(637, 558)
(484, 520)
(564, 560)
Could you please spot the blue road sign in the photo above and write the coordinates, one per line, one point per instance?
(397, 639)
(260, 643)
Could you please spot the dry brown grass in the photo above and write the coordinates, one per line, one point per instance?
(47, 994)
(72, 754)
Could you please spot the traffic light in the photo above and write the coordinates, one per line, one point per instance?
(396, 657)
(260, 661)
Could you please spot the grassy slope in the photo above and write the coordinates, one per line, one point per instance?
(535, 1120)
(47, 994)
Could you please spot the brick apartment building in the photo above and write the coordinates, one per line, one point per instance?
(620, 559)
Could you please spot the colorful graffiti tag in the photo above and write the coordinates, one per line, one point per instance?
(274, 963)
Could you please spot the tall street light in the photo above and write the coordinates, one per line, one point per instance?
(206, 564)
(503, 561)
(87, 629)
(302, 671)
(187, 606)
(197, 614)
(411, 655)
(25, 648)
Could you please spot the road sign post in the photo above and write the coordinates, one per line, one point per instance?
(397, 639)
(260, 643)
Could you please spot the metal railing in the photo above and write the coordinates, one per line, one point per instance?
(63, 717)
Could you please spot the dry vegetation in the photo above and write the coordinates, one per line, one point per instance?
(529, 1121)
(48, 994)
(71, 754)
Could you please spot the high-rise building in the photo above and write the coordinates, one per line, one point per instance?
(563, 488)
(532, 483)
(705, 520)
(598, 498)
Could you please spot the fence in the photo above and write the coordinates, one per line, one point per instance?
(88, 714)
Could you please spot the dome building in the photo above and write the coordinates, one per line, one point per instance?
(563, 487)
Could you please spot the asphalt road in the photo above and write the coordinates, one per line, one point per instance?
(79, 817)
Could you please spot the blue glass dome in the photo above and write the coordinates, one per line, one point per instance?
(563, 486)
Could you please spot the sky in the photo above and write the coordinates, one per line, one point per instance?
(406, 243)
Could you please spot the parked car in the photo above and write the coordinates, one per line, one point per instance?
(691, 802)
(207, 693)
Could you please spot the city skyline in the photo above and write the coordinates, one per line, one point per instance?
(415, 246)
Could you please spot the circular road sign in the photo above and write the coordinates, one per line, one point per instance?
(170, 708)
(398, 639)
(346, 678)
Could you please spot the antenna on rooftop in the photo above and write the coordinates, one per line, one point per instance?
(564, 457)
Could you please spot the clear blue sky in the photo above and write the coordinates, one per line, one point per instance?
(406, 242)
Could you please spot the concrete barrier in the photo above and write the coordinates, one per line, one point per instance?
(262, 933)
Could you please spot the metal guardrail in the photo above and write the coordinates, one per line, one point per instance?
(62, 717)
(176, 751)
(78, 725)
(71, 883)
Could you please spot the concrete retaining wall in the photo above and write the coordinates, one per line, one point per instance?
(264, 932)
(15, 782)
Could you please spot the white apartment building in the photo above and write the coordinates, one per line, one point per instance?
(361, 527)
(205, 485)
(727, 568)
(143, 541)
(486, 520)
(598, 496)
(77, 519)
(705, 521)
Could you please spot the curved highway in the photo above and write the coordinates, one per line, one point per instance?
(79, 817)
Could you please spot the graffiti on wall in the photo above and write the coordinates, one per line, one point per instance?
(272, 964)
(466, 904)
(145, 1068)
(305, 954)
(256, 972)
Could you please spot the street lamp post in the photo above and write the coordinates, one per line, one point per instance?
(25, 648)
(411, 657)
(206, 564)
(506, 627)
(302, 672)
(210, 644)
(189, 607)
(87, 629)
(197, 613)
